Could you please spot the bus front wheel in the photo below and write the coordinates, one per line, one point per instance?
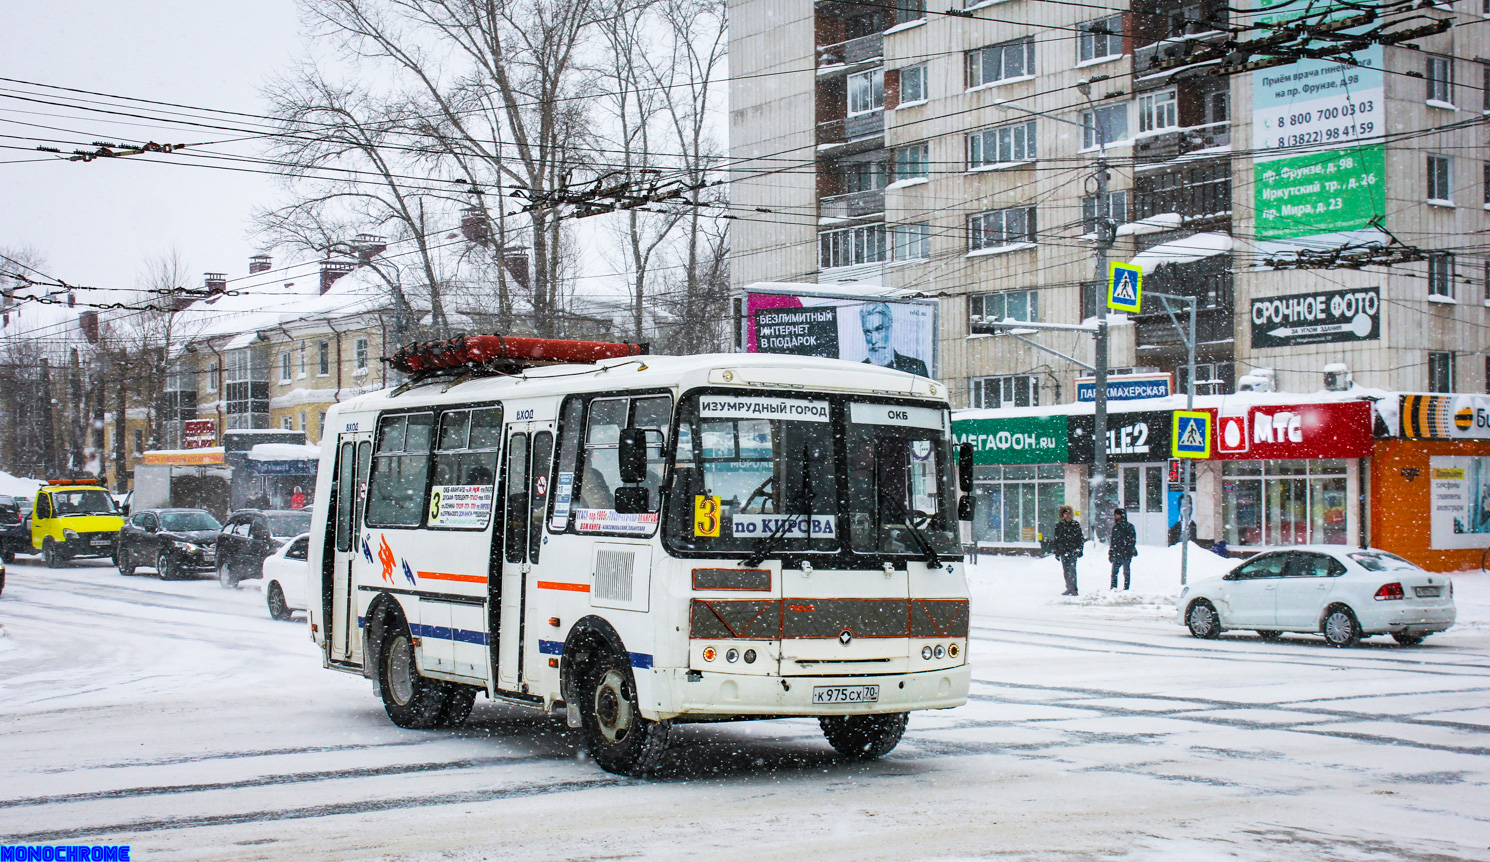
(616, 734)
(410, 699)
(864, 737)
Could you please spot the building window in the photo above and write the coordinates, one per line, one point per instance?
(1110, 120)
(1441, 274)
(1022, 305)
(246, 391)
(284, 367)
(321, 422)
(1158, 111)
(912, 241)
(1440, 371)
(1001, 62)
(853, 246)
(912, 85)
(1487, 183)
(1211, 378)
(864, 176)
(909, 10)
(1218, 108)
(1440, 75)
(1283, 502)
(1117, 210)
(912, 161)
(1487, 375)
(866, 91)
(1017, 503)
(139, 441)
(214, 370)
(302, 422)
(359, 352)
(1100, 39)
(1439, 175)
(1011, 390)
(1001, 227)
(1001, 145)
(323, 361)
(286, 423)
(302, 359)
(1487, 282)
(1485, 86)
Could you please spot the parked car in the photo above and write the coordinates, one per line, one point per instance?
(176, 542)
(284, 578)
(72, 519)
(14, 537)
(2, 577)
(250, 536)
(1340, 592)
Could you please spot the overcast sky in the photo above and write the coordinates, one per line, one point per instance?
(96, 223)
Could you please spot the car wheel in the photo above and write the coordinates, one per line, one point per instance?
(1408, 638)
(1203, 621)
(278, 608)
(49, 554)
(9, 556)
(411, 700)
(617, 736)
(864, 737)
(1340, 628)
(225, 575)
(125, 564)
(164, 567)
(1269, 636)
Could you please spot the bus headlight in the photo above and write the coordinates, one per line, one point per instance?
(939, 651)
(926, 652)
(750, 656)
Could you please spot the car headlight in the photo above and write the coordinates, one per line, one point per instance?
(183, 546)
(69, 535)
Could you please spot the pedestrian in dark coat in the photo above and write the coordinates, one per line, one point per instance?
(1123, 549)
(1067, 547)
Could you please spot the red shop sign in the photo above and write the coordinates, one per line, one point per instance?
(1334, 429)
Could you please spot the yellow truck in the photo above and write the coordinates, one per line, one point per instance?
(74, 518)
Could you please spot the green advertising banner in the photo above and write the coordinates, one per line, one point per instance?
(1016, 440)
(1320, 193)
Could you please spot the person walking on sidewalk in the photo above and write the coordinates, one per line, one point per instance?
(1123, 549)
(1067, 547)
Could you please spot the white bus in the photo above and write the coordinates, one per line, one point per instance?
(644, 540)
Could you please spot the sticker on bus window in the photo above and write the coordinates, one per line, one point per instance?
(823, 526)
(460, 505)
(563, 490)
(611, 521)
(706, 516)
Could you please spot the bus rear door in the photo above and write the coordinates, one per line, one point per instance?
(528, 459)
(354, 450)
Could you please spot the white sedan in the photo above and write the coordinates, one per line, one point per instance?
(1342, 593)
(284, 578)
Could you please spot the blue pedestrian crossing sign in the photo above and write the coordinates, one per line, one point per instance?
(1192, 434)
(1124, 287)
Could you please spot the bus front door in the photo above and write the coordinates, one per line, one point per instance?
(352, 455)
(525, 480)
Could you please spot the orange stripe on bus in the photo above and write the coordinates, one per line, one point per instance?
(563, 585)
(446, 576)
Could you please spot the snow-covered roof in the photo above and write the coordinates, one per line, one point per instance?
(1221, 403)
(1186, 250)
(284, 452)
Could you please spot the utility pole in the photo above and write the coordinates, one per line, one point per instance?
(1187, 504)
(1097, 497)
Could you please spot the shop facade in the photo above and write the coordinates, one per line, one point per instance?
(1019, 478)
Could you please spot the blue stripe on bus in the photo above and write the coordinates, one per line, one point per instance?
(639, 660)
(444, 633)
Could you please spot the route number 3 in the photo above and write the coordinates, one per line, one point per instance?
(706, 516)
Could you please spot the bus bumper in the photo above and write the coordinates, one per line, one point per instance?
(722, 695)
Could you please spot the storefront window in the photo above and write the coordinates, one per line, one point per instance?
(1017, 502)
(1284, 502)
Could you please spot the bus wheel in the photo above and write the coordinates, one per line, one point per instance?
(411, 700)
(864, 737)
(616, 734)
(458, 702)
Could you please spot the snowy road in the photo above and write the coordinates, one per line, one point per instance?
(178, 718)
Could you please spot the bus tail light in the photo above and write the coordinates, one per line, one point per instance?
(1389, 592)
(953, 650)
(710, 653)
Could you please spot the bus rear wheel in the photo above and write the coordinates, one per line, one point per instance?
(616, 734)
(864, 737)
(411, 700)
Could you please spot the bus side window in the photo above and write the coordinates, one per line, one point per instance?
(543, 455)
(400, 466)
(465, 469)
(570, 427)
(517, 498)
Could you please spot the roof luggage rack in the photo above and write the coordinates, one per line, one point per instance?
(501, 354)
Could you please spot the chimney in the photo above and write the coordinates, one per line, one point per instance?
(474, 227)
(368, 245)
(260, 263)
(331, 270)
(515, 261)
(88, 322)
(216, 282)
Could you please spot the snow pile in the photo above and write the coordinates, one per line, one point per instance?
(15, 486)
(284, 452)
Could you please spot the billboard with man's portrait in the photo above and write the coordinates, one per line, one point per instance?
(879, 330)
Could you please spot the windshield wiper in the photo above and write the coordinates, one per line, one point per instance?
(773, 541)
(932, 559)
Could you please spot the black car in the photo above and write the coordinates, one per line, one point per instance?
(14, 537)
(175, 542)
(250, 536)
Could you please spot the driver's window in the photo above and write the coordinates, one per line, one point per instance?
(599, 472)
(44, 506)
(150, 522)
(1267, 566)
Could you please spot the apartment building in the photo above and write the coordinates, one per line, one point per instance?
(952, 151)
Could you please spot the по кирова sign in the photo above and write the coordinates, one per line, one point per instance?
(1316, 318)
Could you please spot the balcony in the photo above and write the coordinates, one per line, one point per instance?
(1178, 47)
(852, 205)
(852, 52)
(1179, 142)
(1156, 334)
(868, 128)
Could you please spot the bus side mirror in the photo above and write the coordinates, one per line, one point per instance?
(631, 452)
(965, 470)
(965, 508)
(631, 499)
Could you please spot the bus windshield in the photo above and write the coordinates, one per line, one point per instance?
(767, 475)
(753, 468)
